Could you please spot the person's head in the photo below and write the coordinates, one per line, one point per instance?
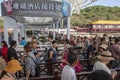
(2, 64)
(34, 44)
(72, 38)
(13, 43)
(54, 44)
(67, 41)
(33, 39)
(102, 47)
(23, 38)
(72, 59)
(100, 75)
(4, 44)
(94, 43)
(28, 47)
(85, 38)
(12, 67)
(79, 39)
(103, 40)
(117, 41)
(50, 38)
(105, 57)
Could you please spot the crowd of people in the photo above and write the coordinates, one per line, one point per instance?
(102, 55)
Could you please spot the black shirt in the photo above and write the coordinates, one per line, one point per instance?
(90, 48)
(12, 54)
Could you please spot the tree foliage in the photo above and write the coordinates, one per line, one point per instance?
(95, 13)
(1, 22)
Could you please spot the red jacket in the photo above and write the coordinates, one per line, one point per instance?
(4, 52)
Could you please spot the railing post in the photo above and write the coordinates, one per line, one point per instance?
(50, 69)
(56, 77)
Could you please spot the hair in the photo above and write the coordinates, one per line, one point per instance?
(53, 42)
(100, 75)
(28, 47)
(117, 40)
(4, 43)
(23, 38)
(102, 39)
(94, 42)
(72, 57)
(50, 37)
(67, 41)
(12, 43)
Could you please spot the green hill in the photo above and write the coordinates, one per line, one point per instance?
(95, 13)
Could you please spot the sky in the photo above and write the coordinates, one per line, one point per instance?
(107, 3)
(98, 2)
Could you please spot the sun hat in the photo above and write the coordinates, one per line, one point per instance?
(2, 63)
(104, 46)
(105, 56)
(13, 66)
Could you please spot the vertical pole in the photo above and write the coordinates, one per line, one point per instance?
(54, 35)
(6, 29)
(16, 33)
(22, 31)
(68, 28)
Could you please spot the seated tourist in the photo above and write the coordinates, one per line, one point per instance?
(68, 72)
(2, 64)
(12, 67)
(104, 59)
(100, 75)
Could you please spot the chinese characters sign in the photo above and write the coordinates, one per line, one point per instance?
(31, 8)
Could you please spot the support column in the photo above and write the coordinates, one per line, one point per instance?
(54, 35)
(68, 27)
(22, 31)
(16, 33)
(6, 29)
(57, 24)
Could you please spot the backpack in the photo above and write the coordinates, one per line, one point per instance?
(46, 55)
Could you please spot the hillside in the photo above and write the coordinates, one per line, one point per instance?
(95, 13)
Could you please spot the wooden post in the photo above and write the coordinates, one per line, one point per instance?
(56, 75)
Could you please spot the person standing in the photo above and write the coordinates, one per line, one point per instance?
(53, 52)
(11, 51)
(115, 49)
(4, 50)
(30, 61)
(68, 72)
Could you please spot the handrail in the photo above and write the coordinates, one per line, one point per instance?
(57, 77)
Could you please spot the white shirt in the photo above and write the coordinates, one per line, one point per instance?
(68, 73)
(100, 66)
